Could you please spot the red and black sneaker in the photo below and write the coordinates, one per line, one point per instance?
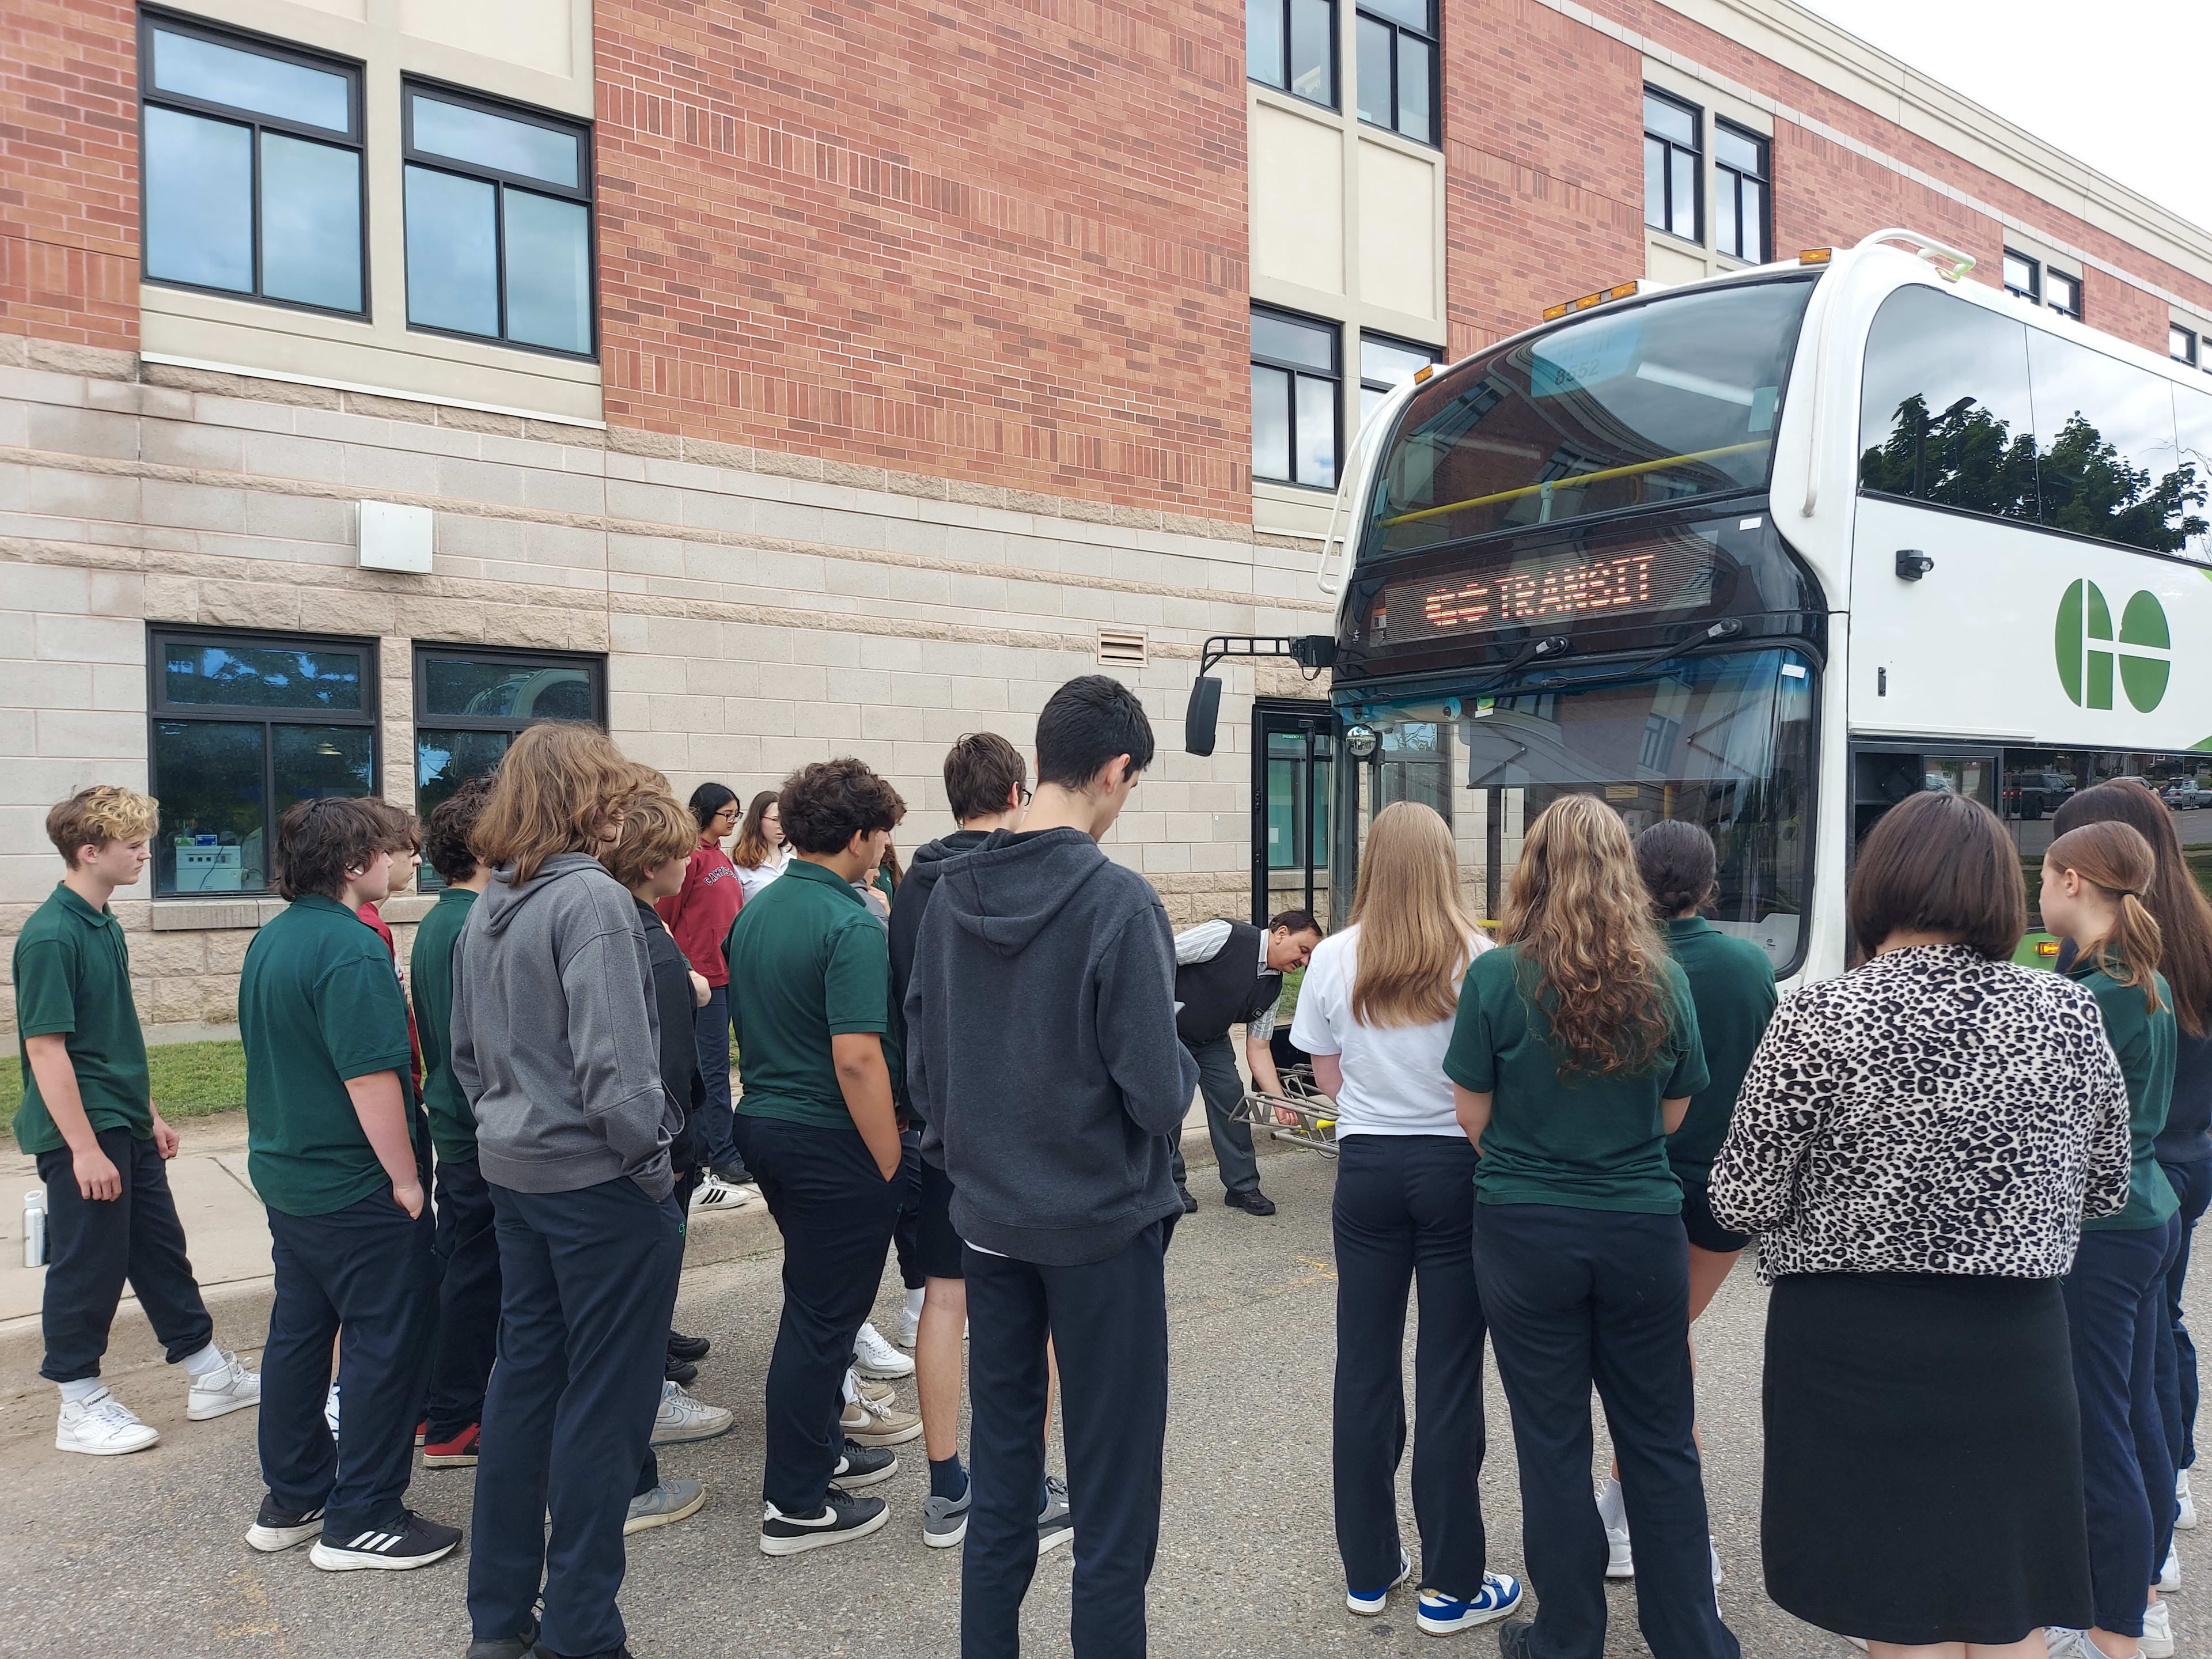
(459, 1453)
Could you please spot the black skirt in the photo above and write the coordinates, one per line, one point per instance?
(1923, 1458)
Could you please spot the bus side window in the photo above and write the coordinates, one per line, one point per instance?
(2108, 465)
(1945, 415)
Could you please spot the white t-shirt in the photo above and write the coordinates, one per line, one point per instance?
(752, 877)
(1394, 1075)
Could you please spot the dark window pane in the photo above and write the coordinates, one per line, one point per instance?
(1270, 423)
(549, 272)
(452, 266)
(1944, 415)
(1683, 189)
(199, 201)
(1655, 184)
(247, 79)
(2108, 465)
(1317, 429)
(1374, 49)
(518, 691)
(195, 673)
(443, 762)
(1732, 149)
(1413, 89)
(1284, 340)
(497, 142)
(208, 778)
(310, 222)
(1669, 121)
(315, 761)
(1313, 51)
(1263, 41)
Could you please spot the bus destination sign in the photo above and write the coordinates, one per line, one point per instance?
(1672, 574)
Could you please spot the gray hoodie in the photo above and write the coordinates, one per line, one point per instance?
(556, 1040)
(1042, 1050)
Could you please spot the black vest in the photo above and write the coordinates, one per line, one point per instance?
(1225, 992)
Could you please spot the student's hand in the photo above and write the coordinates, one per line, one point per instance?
(166, 1142)
(97, 1178)
(702, 993)
(409, 1199)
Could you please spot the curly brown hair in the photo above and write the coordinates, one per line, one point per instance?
(446, 837)
(1591, 958)
(824, 805)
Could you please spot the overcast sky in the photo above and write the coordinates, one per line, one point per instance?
(2120, 84)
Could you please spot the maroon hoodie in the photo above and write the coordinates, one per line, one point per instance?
(700, 914)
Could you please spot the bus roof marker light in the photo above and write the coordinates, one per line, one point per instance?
(1423, 372)
(1815, 256)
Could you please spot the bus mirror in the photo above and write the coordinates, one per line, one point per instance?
(1201, 715)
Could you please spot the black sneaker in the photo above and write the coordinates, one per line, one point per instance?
(1251, 1200)
(275, 1529)
(417, 1542)
(505, 1647)
(1513, 1639)
(1190, 1204)
(841, 1519)
(732, 1173)
(693, 1348)
(1055, 1526)
(864, 1466)
(680, 1370)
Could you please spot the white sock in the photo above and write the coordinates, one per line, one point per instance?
(209, 1358)
(914, 1304)
(76, 1393)
(852, 1385)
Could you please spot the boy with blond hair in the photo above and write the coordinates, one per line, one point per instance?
(87, 1116)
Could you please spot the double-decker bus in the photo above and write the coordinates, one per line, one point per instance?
(1771, 552)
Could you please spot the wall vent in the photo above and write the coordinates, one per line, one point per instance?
(1121, 647)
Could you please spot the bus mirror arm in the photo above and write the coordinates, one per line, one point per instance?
(1201, 715)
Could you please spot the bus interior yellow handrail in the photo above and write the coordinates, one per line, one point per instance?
(1575, 480)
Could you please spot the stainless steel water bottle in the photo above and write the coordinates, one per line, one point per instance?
(34, 1228)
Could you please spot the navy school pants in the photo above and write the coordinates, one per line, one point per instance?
(94, 1246)
(467, 1249)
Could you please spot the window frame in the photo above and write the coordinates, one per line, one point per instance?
(1731, 180)
(2073, 282)
(1434, 40)
(1436, 359)
(2188, 354)
(355, 140)
(1282, 9)
(584, 194)
(160, 711)
(2034, 292)
(1697, 115)
(1335, 378)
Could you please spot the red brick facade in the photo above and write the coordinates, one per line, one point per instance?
(68, 172)
(997, 241)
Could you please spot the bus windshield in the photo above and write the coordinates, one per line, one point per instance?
(1647, 403)
(1725, 741)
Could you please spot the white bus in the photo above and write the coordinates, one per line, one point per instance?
(1772, 552)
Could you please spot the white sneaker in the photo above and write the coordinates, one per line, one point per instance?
(1612, 1510)
(2158, 1631)
(873, 1357)
(331, 1409)
(716, 1194)
(101, 1425)
(1719, 1575)
(228, 1387)
(2169, 1573)
(2186, 1520)
(682, 1419)
(2061, 1642)
(910, 1327)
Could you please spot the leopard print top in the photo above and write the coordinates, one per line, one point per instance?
(1928, 1112)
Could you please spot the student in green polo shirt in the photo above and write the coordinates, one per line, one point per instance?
(809, 998)
(101, 1147)
(337, 1151)
(1574, 1054)
(2094, 879)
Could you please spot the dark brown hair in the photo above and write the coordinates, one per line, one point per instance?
(1296, 922)
(446, 837)
(319, 842)
(2174, 899)
(751, 850)
(2115, 858)
(1676, 860)
(402, 831)
(1939, 864)
(980, 771)
(824, 805)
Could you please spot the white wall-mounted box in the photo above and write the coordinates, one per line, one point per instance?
(395, 538)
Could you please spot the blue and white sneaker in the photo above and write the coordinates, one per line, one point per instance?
(1441, 1615)
(1368, 1603)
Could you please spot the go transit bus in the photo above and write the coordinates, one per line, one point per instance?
(1771, 552)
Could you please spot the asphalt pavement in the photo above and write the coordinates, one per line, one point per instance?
(145, 1554)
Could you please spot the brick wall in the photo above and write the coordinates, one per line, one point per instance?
(68, 172)
(976, 239)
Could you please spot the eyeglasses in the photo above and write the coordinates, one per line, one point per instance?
(1026, 797)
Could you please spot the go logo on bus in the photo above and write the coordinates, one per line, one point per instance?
(2085, 654)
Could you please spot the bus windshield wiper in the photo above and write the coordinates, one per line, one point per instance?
(1551, 645)
(1726, 629)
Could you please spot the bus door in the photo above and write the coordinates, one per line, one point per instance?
(1293, 762)
(1884, 774)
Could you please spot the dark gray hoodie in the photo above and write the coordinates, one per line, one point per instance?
(1041, 1047)
(556, 1039)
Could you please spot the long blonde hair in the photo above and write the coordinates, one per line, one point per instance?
(2115, 858)
(1413, 931)
(559, 789)
(1590, 956)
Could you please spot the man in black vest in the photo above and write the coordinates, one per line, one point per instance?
(1231, 973)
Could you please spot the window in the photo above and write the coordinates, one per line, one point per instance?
(245, 726)
(469, 704)
(1294, 399)
(252, 166)
(1740, 162)
(1671, 158)
(1396, 51)
(2035, 283)
(499, 222)
(1292, 45)
(1384, 366)
(2180, 345)
(2064, 294)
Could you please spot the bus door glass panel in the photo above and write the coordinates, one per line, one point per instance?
(1293, 827)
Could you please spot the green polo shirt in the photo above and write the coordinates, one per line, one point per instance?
(1583, 1143)
(2144, 1042)
(72, 980)
(317, 1005)
(1732, 985)
(808, 962)
(430, 982)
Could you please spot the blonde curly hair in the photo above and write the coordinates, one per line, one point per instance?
(101, 814)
